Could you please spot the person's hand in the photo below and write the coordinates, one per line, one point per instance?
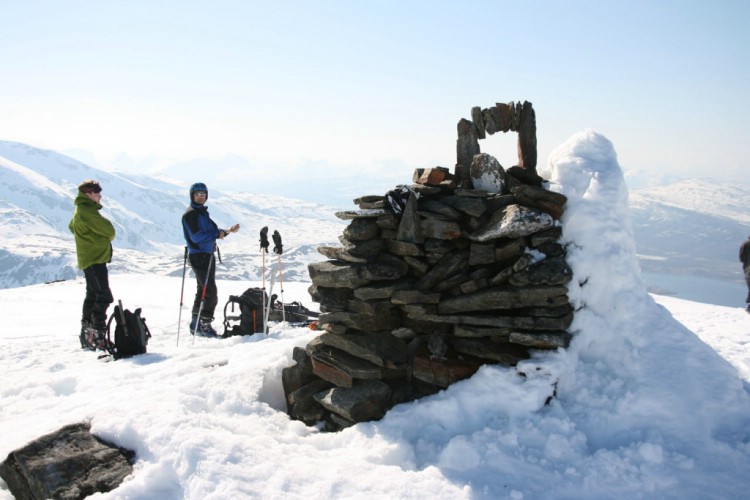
(234, 228)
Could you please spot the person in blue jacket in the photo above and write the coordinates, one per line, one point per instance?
(201, 234)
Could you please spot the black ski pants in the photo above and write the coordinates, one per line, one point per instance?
(747, 280)
(98, 295)
(200, 263)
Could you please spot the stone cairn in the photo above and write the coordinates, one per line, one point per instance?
(434, 280)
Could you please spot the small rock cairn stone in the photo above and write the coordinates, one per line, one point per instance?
(432, 281)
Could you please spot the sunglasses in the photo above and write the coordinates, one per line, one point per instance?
(93, 190)
(200, 193)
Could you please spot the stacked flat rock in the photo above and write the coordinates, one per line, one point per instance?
(431, 282)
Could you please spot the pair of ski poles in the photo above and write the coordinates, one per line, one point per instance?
(203, 294)
(278, 249)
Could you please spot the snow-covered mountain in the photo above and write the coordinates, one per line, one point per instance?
(691, 228)
(38, 191)
(688, 228)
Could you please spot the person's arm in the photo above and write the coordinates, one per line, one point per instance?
(94, 222)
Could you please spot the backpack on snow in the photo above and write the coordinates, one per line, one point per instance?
(292, 312)
(131, 332)
(250, 318)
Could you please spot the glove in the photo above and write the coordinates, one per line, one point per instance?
(278, 248)
(264, 239)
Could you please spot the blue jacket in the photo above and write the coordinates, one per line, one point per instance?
(199, 230)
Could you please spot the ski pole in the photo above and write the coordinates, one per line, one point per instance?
(264, 251)
(267, 311)
(203, 295)
(279, 248)
(182, 292)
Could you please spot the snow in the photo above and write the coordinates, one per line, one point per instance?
(651, 399)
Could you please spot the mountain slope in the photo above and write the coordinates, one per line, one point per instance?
(40, 187)
(692, 228)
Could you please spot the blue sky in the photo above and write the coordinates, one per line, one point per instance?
(376, 85)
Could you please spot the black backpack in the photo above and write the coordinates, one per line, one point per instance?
(250, 319)
(131, 332)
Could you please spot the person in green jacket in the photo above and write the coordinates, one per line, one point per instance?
(93, 234)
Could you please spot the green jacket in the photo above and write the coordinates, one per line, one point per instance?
(93, 233)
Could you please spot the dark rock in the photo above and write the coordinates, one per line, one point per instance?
(541, 340)
(513, 222)
(299, 374)
(387, 221)
(404, 248)
(367, 249)
(387, 267)
(496, 352)
(527, 137)
(362, 229)
(370, 202)
(490, 122)
(467, 145)
(504, 298)
(466, 204)
(330, 299)
(504, 117)
(474, 285)
(360, 321)
(481, 254)
(551, 249)
(478, 119)
(356, 214)
(418, 266)
(415, 297)
(334, 274)
(448, 266)
(339, 367)
(341, 254)
(540, 198)
(551, 235)
(518, 176)
(381, 349)
(480, 332)
(409, 229)
(441, 372)
(438, 210)
(510, 250)
(301, 404)
(550, 271)
(69, 463)
(433, 176)
(365, 401)
(439, 229)
(381, 290)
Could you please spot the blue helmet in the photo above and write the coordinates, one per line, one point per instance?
(198, 186)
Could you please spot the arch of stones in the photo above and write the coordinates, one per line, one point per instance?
(434, 279)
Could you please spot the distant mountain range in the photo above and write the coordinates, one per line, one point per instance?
(39, 187)
(690, 228)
